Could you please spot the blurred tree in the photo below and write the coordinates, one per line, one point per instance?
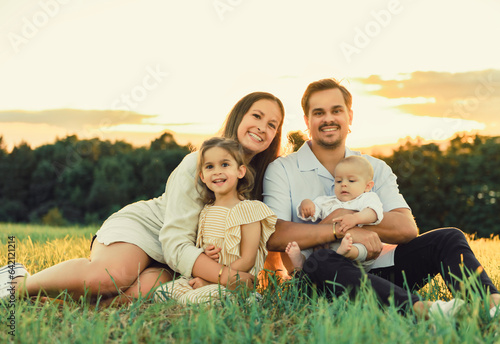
(164, 142)
(53, 218)
(42, 184)
(296, 139)
(458, 187)
(3, 164)
(418, 169)
(3, 148)
(73, 188)
(16, 172)
(113, 180)
(85, 180)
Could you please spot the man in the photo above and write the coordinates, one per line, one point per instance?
(328, 114)
(308, 173)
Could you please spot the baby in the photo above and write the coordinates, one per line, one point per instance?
(353, 183)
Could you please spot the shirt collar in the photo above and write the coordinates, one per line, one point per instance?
(348, 152)
(307, 161)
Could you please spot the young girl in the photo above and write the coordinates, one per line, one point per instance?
(232, 230)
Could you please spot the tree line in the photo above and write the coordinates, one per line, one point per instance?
(77, 181)
(458, 186)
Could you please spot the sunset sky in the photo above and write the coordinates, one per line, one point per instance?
(131, 69)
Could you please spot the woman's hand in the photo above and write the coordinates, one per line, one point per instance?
(198, 282)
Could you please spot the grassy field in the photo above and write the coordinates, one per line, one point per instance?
(284, 315)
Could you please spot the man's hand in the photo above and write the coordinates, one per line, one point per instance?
(198, 282)
(307, 208)
(369, 239)
(212, 252)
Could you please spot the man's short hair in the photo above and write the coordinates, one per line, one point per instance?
(322, 85)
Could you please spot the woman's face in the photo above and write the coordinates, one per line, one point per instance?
(258, 126)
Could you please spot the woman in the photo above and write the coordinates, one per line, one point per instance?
(137, 247)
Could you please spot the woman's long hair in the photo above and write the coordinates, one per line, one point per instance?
(260, 161)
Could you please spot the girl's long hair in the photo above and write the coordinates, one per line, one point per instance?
(245, 184)
(260, 161)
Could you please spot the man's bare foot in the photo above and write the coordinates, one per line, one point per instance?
(345, 245)
(293, 251)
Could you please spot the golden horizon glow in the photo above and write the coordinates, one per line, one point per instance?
(181, 68)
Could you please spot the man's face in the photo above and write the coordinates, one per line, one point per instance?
(328, 119)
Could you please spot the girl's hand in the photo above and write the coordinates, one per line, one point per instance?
(198, 282)
(213, 252)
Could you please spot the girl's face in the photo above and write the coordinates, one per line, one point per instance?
(258, 126)
(220, 171)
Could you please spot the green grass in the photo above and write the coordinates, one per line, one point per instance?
(285, 315)
(42, 233)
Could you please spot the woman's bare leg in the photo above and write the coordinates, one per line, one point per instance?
(144, 286)
(109, 269)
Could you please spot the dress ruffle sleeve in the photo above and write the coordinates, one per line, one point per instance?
(243, 213)
(199, 237)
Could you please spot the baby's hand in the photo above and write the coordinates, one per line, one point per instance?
(345, 222)
(212, 252)
(307, 208)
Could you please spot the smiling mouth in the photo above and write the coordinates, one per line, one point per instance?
(330, 129)
(256, 137)
(218, 181)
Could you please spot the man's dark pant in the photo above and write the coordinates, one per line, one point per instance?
(445, 251)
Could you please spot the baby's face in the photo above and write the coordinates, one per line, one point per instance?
(349, 183)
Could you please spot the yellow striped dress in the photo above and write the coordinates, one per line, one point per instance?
(221, 227)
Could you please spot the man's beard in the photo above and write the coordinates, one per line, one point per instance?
(330, 145)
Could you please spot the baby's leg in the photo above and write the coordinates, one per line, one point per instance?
(293, 251)
(347, 249)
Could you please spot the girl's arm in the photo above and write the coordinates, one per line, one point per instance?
(213, 272)
(250, 239)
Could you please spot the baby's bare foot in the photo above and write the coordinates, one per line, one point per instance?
(345, 245)
(293, 251)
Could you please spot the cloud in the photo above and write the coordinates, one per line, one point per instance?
(77, 120)
(473, 95)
